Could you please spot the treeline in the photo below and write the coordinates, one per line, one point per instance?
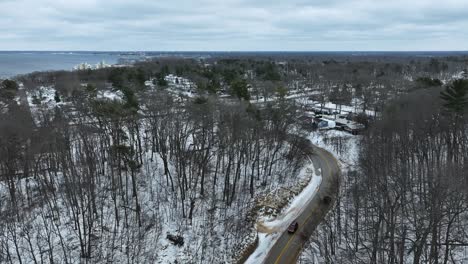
(372, 78)
(229, 76)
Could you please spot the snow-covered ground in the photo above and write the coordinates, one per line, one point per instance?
(303, 99)
(42, 100)
(110, 95)
(355, 107)
(208, 238)
(44, 95)
(3, 107)
(347, 153)
(460, 75)
(180, 83)
(296, 95)
(179, 87)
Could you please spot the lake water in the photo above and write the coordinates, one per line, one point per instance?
(16, 62)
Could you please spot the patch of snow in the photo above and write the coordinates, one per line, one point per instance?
(3, 107)
(459, 75)
(110, 95)
(324, 140)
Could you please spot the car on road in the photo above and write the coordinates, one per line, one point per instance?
(327, 199)
(293, 227)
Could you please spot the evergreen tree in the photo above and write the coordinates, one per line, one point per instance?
(57, 97)
(8, 89)
(239, 89)
(456, 96)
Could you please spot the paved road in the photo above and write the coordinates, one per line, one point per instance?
(288, 247)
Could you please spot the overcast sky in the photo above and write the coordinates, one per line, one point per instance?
(234, 25)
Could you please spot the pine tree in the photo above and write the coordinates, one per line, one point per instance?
(240, 90)
(57, 97)
(456, 96)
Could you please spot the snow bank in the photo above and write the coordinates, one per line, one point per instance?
(270, 231)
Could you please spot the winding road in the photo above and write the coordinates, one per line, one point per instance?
(288, 247)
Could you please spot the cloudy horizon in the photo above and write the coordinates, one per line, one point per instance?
(234, 25)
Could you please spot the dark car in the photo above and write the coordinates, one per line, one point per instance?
(327, 199)
(293, 227)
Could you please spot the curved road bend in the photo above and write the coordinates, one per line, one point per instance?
(288, 247)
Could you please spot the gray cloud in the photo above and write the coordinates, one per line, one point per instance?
(233, 25)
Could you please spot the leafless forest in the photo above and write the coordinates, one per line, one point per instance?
(155, 166)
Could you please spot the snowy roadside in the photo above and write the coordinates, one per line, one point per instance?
(270, 231)
(346, 148)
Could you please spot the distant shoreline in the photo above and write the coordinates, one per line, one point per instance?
(238, 51)
(14, 63)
